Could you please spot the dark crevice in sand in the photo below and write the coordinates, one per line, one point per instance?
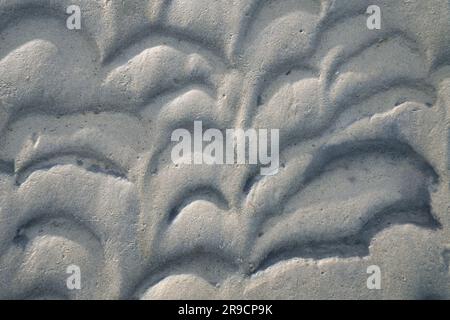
(92, 161)
(208, 193)
(357, 245)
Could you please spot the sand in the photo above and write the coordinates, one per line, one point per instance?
(87, 180)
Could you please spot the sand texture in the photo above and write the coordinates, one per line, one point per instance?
(86, 176)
